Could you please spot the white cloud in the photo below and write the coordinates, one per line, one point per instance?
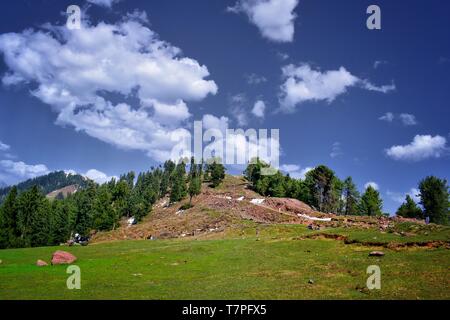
(4, 146)
(238, 108)
(103, 3)
(336, 150)
(282, 56)
(388, 116)
(274, 18)
(72, 70)
(98, 176)
(255, 79)
(290, 167)
(295, 171)
(259, 109)
(21, 170)
(408, 119)
(213, 122)
(303, 84)
(422, 147)
(383, 89)
(371, 184)
(400, 197)
(379, 63)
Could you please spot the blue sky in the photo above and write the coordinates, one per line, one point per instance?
(103, 100)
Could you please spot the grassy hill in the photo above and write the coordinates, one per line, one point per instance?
(226, 247)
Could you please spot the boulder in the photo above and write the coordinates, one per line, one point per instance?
(41, 263)
(63, 257)
(376, 254)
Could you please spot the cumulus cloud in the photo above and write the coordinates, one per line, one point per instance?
(103, 3)
(302, 83)
(408, 119)
(74, 71)
(295, 171)
(372, 184)
(399, 197)
(422, 147)
(388, 116)
(259, 109)
(274, 18)
(21, 170)
(98, 176)
(4, 146)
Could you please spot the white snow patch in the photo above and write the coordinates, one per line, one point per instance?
(313, 218)
(257, 201)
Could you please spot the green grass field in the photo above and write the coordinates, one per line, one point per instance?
(275, 266)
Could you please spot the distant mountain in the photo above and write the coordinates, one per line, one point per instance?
(3, 185)
(63, 192)
(48, 183)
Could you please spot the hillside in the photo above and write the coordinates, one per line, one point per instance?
(65, 191)
(48, 183)
(229, 247)
(227, 209)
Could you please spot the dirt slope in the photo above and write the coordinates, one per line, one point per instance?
(227, 206)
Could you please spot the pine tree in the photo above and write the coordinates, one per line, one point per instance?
(321, 181)
(371, 203)
(9, 231)
(195, 184)
(33, 218)
(434, 197)
(277, 185)
(409, 209)
(178, 183)
(104, 215)
(85, 209)
(59, 222)
(216, 172)
(351, 197)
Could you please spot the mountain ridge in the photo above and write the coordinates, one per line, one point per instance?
(47, 183)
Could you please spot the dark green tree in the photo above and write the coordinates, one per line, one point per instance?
(409, 209)
(104, 215)
(9, 231)
(216, 172)
(85, 209)
(351, 197)
(33, 218)
(371, 203)
(178, 190)
(321, 182)
(434, 197)
(195, 183)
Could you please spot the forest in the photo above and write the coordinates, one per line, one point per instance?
(29, 219)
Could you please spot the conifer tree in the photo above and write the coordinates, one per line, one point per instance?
(409, 209)
(371, 203)
(351, 197)
(434, 197)
(9, 231)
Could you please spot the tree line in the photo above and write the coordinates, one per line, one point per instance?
(324, 191)
(30, 219)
